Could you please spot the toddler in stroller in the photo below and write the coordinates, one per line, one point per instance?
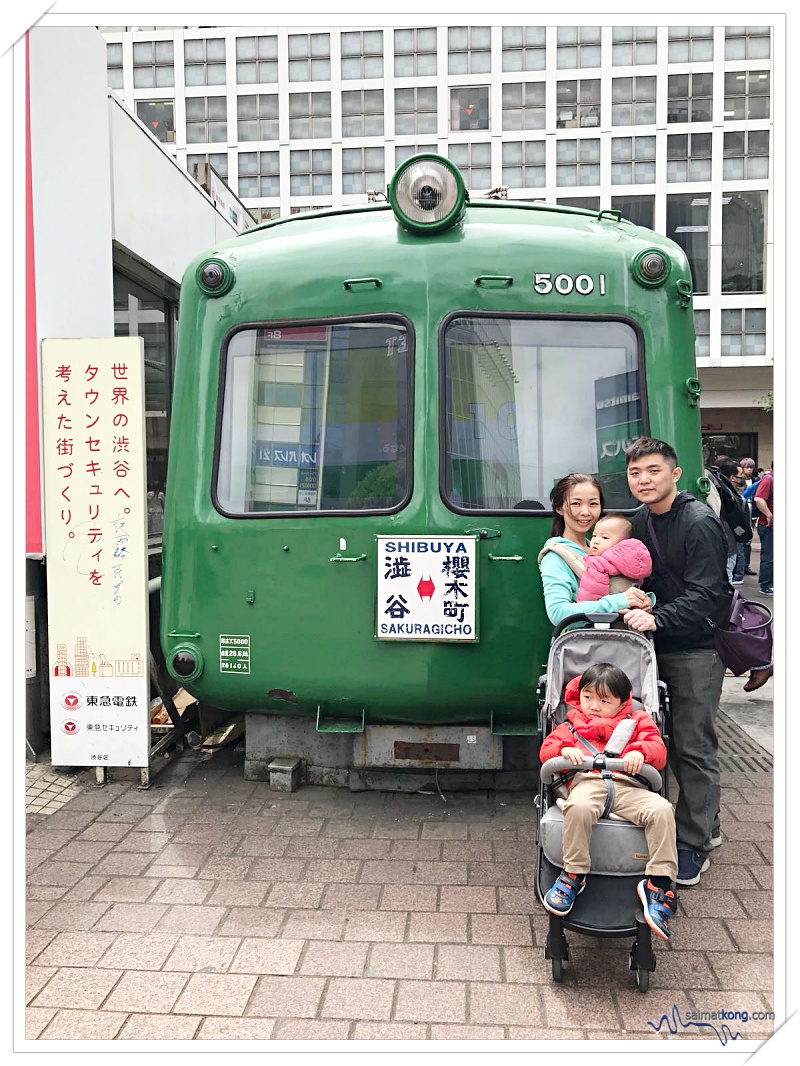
(604, 830)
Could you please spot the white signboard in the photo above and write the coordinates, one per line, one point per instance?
(93, 440)
(427, 588)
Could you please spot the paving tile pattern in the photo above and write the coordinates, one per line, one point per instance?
(210, 908)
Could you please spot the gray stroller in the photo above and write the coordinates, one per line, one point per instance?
(609, 906)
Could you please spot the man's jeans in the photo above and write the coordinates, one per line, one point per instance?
(694, 681)
(765, 567)
(742, 560)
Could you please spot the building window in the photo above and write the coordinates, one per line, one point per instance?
(218, 160)
(524, 164)
(206, 119)
(475, 163)
(264, 214)
(257, 117)
(586, 203)
(404, 151)
(633, 46)
(311, 172)
(691, 44)
(204, 61)
(578, 162)
(523, 48)
(259, 174)
(577, 103)
(469, 108)
(303, 209)
(687, 225)
(256, 60)
(744, 230)
(747, 42)
(414, 52)
(689, 157)
(702, 334)
(633, 160)
(744, 331)
(362, 113)
(640, 210)
(747, 94)
(309, 57)
(309, 115)
(745, 154)
(524, 105)
(469, 50)
(158, 116)
(114, 66)
(578, 46)
(362, 169)
(689, 97)
(633, 101)
(362, 54)
(153, 64)
(415, 110)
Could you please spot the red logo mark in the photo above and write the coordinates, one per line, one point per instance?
(70, 727)
(71, 701)
(425, 588)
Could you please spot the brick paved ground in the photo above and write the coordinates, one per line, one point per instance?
(209, 908)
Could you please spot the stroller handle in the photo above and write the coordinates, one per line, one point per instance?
(552, 767)
(595, 618)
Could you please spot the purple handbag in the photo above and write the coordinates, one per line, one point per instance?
(746, 642)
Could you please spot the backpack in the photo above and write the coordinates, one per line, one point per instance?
(734, 511)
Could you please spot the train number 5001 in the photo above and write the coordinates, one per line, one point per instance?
(564, 284)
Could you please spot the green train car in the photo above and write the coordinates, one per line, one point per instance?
(370, 408)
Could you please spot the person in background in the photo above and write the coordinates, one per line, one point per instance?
(742, 567)
(762, 499)
(734, 512)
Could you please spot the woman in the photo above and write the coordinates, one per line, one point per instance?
(577, 504)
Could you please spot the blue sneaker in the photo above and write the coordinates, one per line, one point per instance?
(690, 865)
(560, 898)
(659, 906)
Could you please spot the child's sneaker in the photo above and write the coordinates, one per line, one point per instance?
(659, 906)
(560, 898)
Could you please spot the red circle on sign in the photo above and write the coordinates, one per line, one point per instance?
(71, 701)
(70, 727)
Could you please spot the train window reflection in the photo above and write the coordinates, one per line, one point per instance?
(315, 418)
(529, 400)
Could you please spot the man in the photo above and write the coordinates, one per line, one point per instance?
(748, 466)
(689, 549)
(762, 498)
(734, 513)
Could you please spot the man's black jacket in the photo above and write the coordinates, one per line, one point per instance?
(689, 577)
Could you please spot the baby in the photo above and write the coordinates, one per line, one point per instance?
(615, 561)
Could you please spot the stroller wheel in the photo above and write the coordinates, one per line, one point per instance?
(642, 979)
(558, 969)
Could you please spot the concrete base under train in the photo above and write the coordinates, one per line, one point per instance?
(397, 758)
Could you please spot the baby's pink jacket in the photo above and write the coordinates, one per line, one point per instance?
(630, 558)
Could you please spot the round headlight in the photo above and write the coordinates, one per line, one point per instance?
(651, 268)
(427, 193)
(186, 663)
(215, 277)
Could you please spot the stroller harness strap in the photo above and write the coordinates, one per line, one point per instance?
(623, 731)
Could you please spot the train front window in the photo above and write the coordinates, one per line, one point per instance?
(530, 400)
(315, 418)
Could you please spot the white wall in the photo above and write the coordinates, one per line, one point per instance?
(71, 183)
(159, 212)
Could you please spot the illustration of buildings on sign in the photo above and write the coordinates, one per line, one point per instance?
(90, 664)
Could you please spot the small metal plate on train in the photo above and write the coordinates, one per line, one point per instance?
(427, 588)
(455, 747)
